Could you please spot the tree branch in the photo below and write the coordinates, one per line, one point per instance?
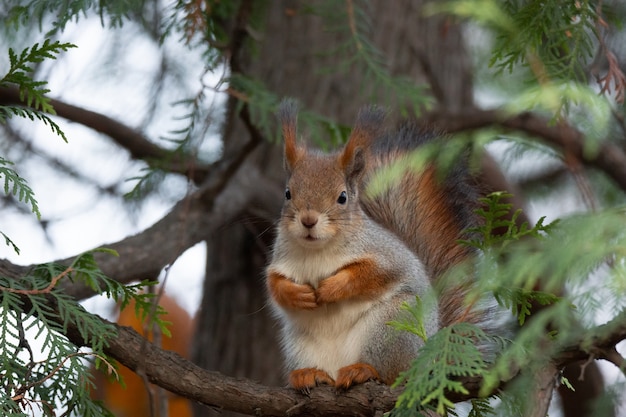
(609, 158)
(133, 141)
(176, 374)
(172, 372)
(544, 382)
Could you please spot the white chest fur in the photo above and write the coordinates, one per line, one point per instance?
(327, 338)
(332, 335)
(310, 267)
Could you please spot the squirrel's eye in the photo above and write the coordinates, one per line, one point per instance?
(343, 197)
(287, 194)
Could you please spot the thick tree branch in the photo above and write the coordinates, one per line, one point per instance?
(180, 376)
(133, 141)
(608, 157)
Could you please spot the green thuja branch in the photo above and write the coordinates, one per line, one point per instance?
(521, 301)
(32, 92)
(551, 46)
(550, 39)
(446, 356)
(6, 112)
(36, 105)
(481, 407)
(153, 175)
(414, 322)
(62, 12)
(18, 187)
(457, 351)
(35, 312)
(146, 183)
(497, 216)
(494, 236)
(10, 243)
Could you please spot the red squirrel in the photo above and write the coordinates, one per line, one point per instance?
(343, 262)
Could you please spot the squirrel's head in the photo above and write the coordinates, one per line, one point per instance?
(321, 196)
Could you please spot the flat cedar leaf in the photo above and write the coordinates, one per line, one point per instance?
(450, 353)
(32, 92)
(108, 251)
(414, 322)
(10, 243)
(481, 407)
(17, 186)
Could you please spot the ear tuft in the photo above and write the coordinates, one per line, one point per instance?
(369, 124)
(288, 117)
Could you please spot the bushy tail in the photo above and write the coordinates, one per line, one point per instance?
(429, 210)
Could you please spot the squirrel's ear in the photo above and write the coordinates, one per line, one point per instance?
(288, 117)
(369, 125)
(352, 161)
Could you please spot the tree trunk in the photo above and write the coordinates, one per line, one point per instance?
(236, 335)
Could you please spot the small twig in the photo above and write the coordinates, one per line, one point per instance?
(23, 342)
(614, 78)
(352, 24)
(46, 290)
(612, 355)
(583, 367)
(58, 367)
(582, 181)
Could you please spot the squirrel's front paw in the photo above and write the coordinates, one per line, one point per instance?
(334, 288)
(355, 374)
(290, 295)
(306, 378)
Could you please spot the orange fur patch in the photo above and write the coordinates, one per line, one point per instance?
(439, 228)
(359, 280)
(289, 294)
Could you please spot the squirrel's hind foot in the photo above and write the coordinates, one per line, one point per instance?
(357, 373)
(306, 378)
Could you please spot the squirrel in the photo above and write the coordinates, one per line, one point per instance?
(344, 262)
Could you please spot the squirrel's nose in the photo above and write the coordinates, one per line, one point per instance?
(308, 220)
